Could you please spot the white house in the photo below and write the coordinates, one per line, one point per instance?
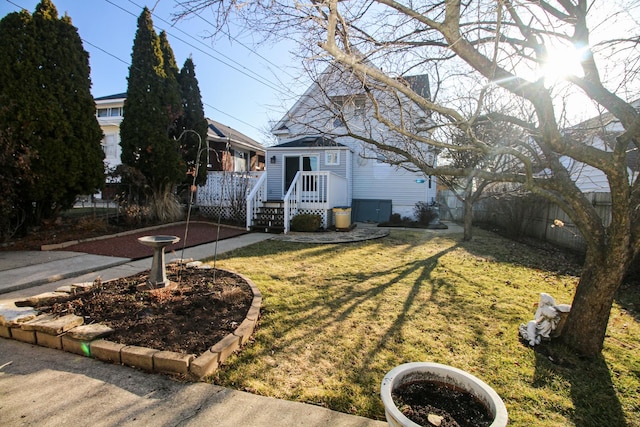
(109, 111)
(596, 132)
(317, 167)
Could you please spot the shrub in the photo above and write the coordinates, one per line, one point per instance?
(395, 218)
(306, 222)
(424, 213)
(136, 215)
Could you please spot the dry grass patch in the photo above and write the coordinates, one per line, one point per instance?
(336, 318)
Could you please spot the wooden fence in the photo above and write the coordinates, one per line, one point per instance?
(540, 223)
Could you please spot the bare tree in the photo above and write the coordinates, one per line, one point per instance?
(487, 57)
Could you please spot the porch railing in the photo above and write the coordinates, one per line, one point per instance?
(314, 192)
(255, 199)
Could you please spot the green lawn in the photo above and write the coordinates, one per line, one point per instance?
(336, 318)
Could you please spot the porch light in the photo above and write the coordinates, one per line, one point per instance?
(420, 181)
(272, 160)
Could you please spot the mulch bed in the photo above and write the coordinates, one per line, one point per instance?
(128, 246)
(188, 319)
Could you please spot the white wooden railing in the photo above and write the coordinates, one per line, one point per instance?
(222, 188)
(255, 198)
(315, 192)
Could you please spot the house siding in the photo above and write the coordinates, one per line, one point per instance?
(381, 181)
(368, 180)
(275, 171)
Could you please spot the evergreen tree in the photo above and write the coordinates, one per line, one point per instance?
(150, 111)
(191, 121)
(172, 87)
(45, 89)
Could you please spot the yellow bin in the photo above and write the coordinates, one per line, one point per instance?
(343, 216)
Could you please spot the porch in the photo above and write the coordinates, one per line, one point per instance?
(311, 192)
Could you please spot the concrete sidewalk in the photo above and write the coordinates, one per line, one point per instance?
(44, 387)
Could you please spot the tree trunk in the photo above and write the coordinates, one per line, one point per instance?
(468, 219)
(589, 316)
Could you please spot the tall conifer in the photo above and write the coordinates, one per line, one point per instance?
(150, 111)
(46, 89)
(192, 120)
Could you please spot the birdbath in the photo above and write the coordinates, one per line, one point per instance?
(158, 274)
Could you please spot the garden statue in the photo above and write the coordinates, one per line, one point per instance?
(546, 322)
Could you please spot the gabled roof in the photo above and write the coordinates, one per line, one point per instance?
(109, 97)
(417, 83)
(219, 132)
(309, 142)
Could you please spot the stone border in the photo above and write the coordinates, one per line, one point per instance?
(68, 333)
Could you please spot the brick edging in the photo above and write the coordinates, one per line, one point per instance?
(58, 333)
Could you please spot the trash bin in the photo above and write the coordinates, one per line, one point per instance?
(343, 216)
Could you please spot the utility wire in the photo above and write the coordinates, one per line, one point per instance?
(267, 60)
(233, 65)
(116, 57)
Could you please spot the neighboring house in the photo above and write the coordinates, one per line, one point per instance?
(233, 151)
(229, 150)
(235, 163)
(109, 110)
(599, 132)
(316, 167)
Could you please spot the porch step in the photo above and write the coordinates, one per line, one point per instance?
(267, 229)
(269, 218)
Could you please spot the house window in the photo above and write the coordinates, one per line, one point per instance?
(109, 112)
(239, 161)
(332, 158)
(353, 105)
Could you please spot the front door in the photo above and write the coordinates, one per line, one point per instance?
(293, 164)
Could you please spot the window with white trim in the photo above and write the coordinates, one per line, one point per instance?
(332, 157)
(109, 112)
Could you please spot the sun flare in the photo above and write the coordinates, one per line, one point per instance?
(562, 62)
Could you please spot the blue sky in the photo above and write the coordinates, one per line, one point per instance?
(242, 87)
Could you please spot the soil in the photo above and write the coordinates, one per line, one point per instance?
(188, 319)
(447, 406)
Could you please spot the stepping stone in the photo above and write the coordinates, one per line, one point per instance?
(52, 325)
(44, 298)
(89, 332)
(12, 317)
(81, 287)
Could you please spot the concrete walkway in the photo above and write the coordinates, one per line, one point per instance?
(44, 387)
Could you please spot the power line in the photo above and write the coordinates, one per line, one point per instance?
(116, 57)
(235, 67)
(284, 71)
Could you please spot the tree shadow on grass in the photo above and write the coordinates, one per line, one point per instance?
(331, 310)
(592, 392)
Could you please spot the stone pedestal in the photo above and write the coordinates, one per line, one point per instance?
(158, 274)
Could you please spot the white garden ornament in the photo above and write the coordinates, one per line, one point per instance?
(546, 320)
